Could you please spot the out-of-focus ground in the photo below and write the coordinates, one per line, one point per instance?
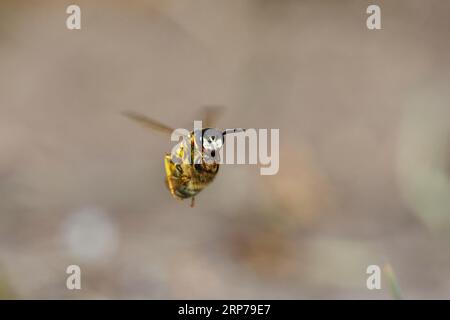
(364, 149)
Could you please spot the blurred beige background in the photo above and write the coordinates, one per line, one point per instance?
(364, 149)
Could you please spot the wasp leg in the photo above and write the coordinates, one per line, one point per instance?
(192, 202)
(169, 166)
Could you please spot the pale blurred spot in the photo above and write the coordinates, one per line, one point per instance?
(423, 158)
(338, 263)
(90, 234)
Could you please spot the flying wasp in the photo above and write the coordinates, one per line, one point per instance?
(185, 179)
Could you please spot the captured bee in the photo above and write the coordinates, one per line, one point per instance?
(192, 165)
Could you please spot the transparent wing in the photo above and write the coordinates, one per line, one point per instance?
(211, 115)
(147, 122)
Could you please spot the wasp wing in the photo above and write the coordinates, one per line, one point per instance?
(211, 115)
(147, 122)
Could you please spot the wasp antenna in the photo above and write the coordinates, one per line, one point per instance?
(235, 130)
